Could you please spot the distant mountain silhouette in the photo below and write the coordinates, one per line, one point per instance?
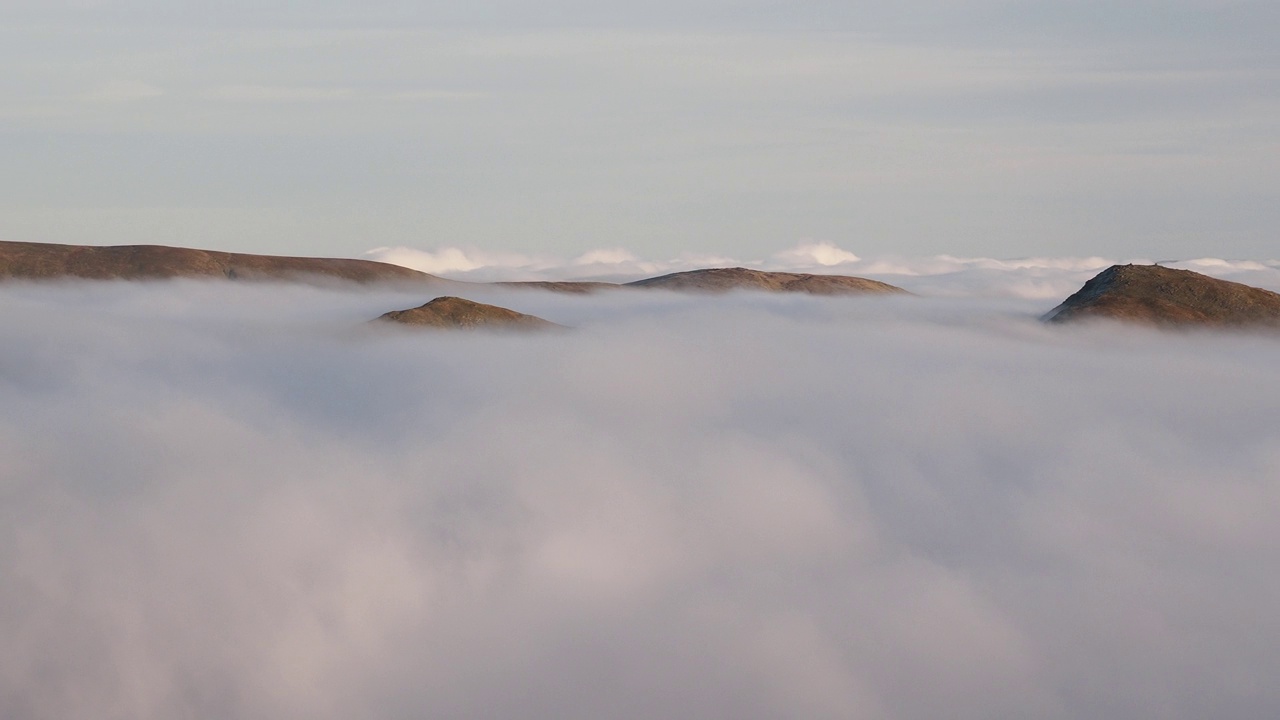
(40, 261)
(456, 313)
(1164, 296)
(725, 279)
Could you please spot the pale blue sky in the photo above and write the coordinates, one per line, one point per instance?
(971, 127)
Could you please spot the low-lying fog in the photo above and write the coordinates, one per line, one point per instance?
(238, 501)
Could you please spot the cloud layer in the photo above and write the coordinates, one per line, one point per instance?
(240, 502)
(1039, 278)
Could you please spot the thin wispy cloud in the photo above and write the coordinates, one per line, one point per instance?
(427, 95)
(123, 91)
(269, 93)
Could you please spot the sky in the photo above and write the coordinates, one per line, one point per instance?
(974, 128)
(241, 501)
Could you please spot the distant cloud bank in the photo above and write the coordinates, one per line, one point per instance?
(1037, 277)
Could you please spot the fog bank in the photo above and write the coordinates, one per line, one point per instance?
(232, 501)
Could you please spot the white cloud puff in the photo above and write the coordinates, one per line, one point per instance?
(820, 253)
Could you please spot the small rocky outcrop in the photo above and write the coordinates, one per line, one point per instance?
(726, 279)
(455, 313)
(1155, 295)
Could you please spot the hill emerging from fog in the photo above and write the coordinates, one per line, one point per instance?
(1156, 295)
(726, 279)
(454, 313)
(49, 261)
(46, 261)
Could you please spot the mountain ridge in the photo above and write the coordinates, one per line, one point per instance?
(717, 280)
(48, 261)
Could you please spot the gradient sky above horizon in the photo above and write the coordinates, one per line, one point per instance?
(970, 127)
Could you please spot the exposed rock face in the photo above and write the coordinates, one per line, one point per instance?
(1157, 295)
(43, 261)
(725, 279)
(456, 313)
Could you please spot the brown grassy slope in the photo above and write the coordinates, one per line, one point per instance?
(1155, 295)
(456, 313)
(725, 279)
(44, 261)
(571, 287)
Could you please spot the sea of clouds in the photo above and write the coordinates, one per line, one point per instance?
(224, 500)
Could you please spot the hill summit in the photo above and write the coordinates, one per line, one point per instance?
(1157, 295)
(737, 278)
(456, 313)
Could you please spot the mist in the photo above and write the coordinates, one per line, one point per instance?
(242, 501)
